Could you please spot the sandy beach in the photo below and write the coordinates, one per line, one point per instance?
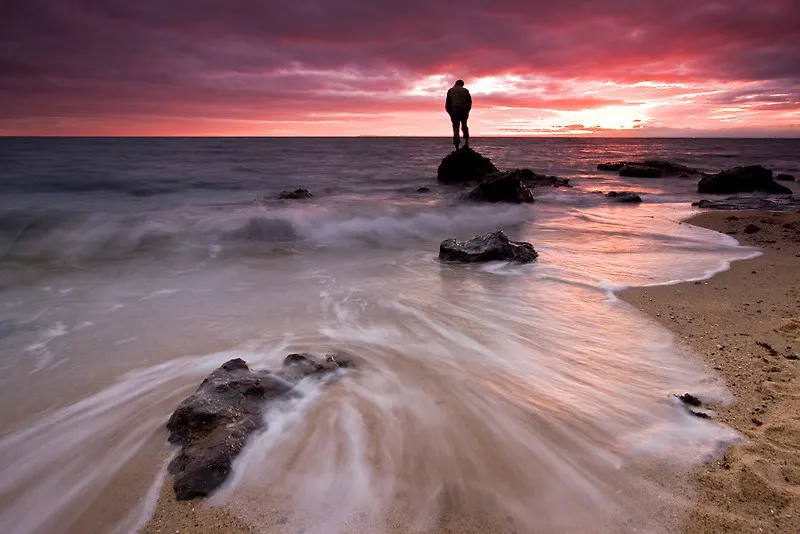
(745, 322)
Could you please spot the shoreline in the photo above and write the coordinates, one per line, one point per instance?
(745, 323)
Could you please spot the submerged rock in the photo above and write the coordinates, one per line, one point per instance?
(464, 165)
(651, 168)
(213, 424)
(690, 400)
(751, 203)
(297, 194)
(424, 190)
(487, 247)
(506, 187)
(784, 178)
(741, 180)
(624, 196)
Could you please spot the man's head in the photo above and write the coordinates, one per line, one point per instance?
(460, 83)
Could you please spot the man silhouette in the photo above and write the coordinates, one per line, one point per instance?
(458, 106)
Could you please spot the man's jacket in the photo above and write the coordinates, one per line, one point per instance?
(458, 99)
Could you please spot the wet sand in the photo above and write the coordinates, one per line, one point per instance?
(745, 322)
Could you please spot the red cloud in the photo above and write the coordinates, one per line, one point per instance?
(248, 59)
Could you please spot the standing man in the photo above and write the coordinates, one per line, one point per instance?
(458, 106)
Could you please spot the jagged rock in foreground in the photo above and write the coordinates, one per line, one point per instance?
(751, 203)
(487, 247)
(741, 180)
(297, 194)
(464, 165)
(625, 197)
(651, 168)
(213, 424)
(506, 187)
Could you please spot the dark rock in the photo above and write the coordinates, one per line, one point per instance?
(690, 400)
(297, 194)
(505, 187)
(533, 179)
(636, 170)
(752, 229)
(487, 247)
(615, 167)
(669, 168)
(213, 424)
(741, 180)
(784, 178)
(424, 190)
(651, 168)
(464, 165)
(751, 203)
(624, 196)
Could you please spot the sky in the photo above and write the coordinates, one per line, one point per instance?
(382, 67)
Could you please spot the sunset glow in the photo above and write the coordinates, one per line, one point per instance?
(353, 67)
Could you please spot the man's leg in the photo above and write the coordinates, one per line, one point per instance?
(454, 120)
(465, 128)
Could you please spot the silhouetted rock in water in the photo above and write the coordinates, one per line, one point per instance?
(424, 190)
(533, 179)
(624, 197)
(641, 171)
(784, 178)
(464, 165)
(741, 180)
(505, 187)
(651, 168)
(786, 203)
(615, 167)
(487, 247)
(213, 424)
(297, 194)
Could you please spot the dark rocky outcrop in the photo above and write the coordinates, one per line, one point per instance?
(784, 178)
(624, 197)
(487, 247)
(741, 180)
(213, 424)
(464, 165)
(424, 190)
(533, 179)
(297, 194)
(613, 167)
(651, 168)
(505, 187)
(786, 203)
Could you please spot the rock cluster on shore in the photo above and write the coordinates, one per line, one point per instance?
(213, 424)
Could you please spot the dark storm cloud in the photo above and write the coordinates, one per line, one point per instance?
(190, 57)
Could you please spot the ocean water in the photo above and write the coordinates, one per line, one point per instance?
(525, 398)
